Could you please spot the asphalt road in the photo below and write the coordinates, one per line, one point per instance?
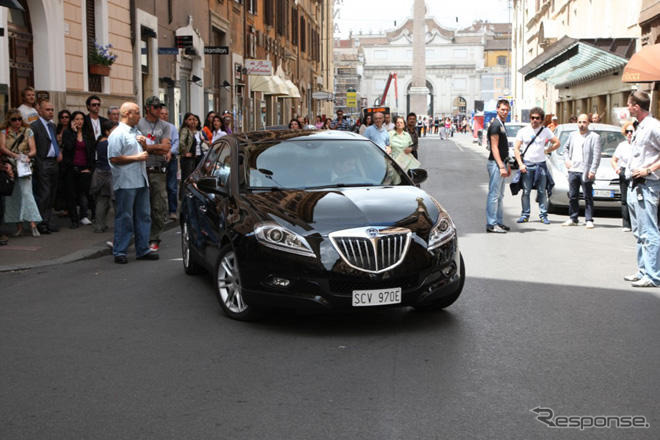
(96, 350)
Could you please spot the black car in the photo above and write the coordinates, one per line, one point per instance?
(321, 219)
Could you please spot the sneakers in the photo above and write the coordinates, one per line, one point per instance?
(35, 232)
(85, 221)
(590, 224)
(153, 246)
(496, 229)
(172, 216)
(644, 282)
(522, 219)
(626, 229)
(634, 277)
(121, 259)
(545, 220)
(569, 222)
(503, 226)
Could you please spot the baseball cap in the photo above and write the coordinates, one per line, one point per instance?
(153, 101)
(554, 118)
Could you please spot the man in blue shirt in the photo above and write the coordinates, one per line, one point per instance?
(127, 157)
(172, 186)
(378, 134)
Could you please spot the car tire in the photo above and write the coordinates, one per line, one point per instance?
(189, 264)
(448, 300)
(228, 288)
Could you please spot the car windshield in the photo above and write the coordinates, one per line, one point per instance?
(609, 140)
(313, 163)
(512, 130)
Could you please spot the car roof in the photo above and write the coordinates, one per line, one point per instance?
(592, 127)
(252, 137)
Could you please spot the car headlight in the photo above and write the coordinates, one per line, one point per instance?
(442, 231)
(277, 237)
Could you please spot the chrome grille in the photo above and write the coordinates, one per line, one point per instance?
(372, 249)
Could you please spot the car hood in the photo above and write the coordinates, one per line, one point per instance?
(328, 210)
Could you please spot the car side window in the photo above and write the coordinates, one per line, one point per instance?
(222, 166)
(210, 159)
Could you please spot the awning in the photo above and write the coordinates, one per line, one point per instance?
(293, 90)
(570, 61)
(283, 90)
(268, 85)
(644, 66)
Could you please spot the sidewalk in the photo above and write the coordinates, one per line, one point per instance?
(65, 246)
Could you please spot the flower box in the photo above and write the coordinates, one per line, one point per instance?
(99, 69)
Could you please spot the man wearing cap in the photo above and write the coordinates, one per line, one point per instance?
(157, 133)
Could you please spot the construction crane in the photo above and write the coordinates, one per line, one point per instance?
(381, 100)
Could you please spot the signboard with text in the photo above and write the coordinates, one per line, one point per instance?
(183, 41)
(351, 99)
(259, 67)
(216, 50)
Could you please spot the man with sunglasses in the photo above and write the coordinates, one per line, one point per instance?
(644, 191)
(530, 150)
(93, 121)
(582, 158)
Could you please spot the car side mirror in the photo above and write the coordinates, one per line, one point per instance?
(210, 185)
(418, 175)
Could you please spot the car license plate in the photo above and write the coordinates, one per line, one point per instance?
(378, 297)
(604, 193)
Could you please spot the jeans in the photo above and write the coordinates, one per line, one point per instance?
(644, 221)
(172, 185)
(574, 183)
(132, 217)
(494, 211)
(528, 182)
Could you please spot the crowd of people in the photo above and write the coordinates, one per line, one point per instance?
(636, 161)
(63, 168)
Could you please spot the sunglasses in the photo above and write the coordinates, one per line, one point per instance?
(535, 118)
(95, 104)
(16, 119)
(630, 131)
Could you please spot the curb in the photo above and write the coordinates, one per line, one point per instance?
(95, 251)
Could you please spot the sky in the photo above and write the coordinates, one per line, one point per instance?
(380, 15)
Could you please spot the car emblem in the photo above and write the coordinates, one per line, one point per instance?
(372, 232)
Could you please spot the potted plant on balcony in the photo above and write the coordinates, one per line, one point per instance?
(100, 59)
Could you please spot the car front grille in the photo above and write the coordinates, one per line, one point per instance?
(372, 250)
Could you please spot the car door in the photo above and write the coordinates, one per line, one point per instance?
(216, 204)
(195, 205)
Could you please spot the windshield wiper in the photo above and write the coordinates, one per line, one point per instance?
(341, 185)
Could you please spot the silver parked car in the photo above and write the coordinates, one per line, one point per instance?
(512, 129)
(607, 194)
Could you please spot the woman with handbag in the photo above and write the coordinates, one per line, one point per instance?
(78, 164)
(17, 142)
(191, 145)
(401, 144)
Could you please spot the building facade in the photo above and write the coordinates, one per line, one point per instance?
(456, 66)
(569, 55)
(193, 55)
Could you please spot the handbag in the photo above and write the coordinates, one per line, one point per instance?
(6, 184)
(514, 162)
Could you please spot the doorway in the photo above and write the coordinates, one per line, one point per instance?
(21, 67)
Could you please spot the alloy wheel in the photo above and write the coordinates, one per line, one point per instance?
(229, 284)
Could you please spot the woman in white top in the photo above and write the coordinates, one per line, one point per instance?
(218, 131)
(620, 160)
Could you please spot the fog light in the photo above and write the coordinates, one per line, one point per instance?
(449, 270)
(279, 282)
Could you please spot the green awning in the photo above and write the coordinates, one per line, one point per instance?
(571, 61)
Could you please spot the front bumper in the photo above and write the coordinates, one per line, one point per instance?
(328, 283)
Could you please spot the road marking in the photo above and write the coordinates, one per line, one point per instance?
(176, 259)
(457, 146)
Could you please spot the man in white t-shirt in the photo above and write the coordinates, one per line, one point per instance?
(531, 146)
(582, 160)
(28, 112)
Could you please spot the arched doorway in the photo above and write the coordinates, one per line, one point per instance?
(459, 106)
(21, 67)
(429, 99)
